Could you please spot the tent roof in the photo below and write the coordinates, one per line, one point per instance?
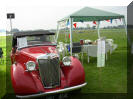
(91, 14)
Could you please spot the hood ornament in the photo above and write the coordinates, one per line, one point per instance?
(48, 56)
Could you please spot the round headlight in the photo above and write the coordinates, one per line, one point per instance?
(30, 65)
(67, 61)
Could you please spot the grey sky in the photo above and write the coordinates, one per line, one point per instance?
(36, 14)
(46, 17)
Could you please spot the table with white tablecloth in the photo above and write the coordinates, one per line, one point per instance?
(91, 49)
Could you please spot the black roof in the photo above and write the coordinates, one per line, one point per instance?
(33, 33)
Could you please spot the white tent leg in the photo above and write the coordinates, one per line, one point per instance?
(57, 32)
(98, 29)
(71, 26)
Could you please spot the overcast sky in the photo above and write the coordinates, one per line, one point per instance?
(42, 16)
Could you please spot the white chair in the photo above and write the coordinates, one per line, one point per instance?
(87, 41)
(110, 41)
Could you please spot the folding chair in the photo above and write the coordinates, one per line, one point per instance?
(76, 49)
(1, 56)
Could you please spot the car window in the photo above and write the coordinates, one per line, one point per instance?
(22, 42)
(35, 40)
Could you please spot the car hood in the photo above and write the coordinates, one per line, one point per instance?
(38, 50)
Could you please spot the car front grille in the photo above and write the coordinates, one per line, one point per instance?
(50, 72)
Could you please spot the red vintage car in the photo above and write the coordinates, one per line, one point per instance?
(37, 69)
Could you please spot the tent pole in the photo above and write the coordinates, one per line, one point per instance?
(98, 29)
(57, 31)
(71, 26)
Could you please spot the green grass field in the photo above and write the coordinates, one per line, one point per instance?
(113, 77)
(110, 79)
(3, 67)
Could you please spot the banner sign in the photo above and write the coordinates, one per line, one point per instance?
(101, 53)
(10, 15)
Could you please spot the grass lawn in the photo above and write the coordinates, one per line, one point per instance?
(110, 79)
(113, 77)
(3, 67)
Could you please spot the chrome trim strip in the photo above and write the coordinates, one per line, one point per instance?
(53, 92)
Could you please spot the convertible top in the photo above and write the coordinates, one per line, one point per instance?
(32, 33)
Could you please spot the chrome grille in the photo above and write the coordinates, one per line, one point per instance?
(50, 72)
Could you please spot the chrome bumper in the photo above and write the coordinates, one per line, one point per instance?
(53, 92)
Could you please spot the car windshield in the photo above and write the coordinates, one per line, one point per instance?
(35, 40)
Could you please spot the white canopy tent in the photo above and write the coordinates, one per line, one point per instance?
(89, 14)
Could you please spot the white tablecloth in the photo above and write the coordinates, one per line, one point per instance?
(91, 50)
